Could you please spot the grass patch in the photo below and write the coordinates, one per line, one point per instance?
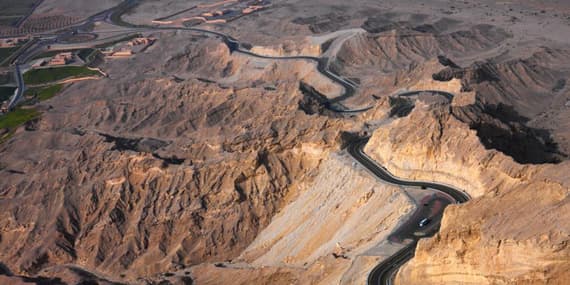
(46, 75)
(18, 117)
(6, 93)
(4, 136)
(44, 93)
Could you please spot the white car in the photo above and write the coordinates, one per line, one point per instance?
(424, 222)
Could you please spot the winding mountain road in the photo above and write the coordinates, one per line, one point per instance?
(385, 272)
(20, 90)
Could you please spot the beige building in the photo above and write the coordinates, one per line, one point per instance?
(4, 107)
(61, 59)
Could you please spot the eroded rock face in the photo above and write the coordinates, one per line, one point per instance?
(136, 179)
(192, 155)
(513, 232)
(518, 236)
(318, 236)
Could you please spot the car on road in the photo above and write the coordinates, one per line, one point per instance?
(424, 222)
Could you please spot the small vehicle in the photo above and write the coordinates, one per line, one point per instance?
(424, 222)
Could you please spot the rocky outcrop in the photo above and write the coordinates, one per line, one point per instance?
(145, 175)
(289, 48)
(193, 156)
(322, 234)
(515, 236)
(343, 213)
(397, 48)
(511, 233)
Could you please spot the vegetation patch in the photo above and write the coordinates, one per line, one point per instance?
(18, 117)
(44, 93)
(42, 76)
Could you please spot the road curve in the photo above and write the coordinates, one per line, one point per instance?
(384, 272)
(20, 90)
(113, 16)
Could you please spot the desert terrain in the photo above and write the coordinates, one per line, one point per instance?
(285, 142)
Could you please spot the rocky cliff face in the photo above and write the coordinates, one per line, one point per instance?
(322, 235)
(151, 174)
(192, 156)
(513, 232)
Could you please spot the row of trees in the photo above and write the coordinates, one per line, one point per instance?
(38, 24)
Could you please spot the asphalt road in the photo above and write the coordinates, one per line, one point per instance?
(113, 16)
(447, 95)
(20, 90)
(385, 272)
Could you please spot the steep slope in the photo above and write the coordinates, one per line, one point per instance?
(322, 234)
(145, 174)
(497, 238)
(397, 47)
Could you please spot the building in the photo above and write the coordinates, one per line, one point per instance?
(252, 9)
(61, 59)
(140, 41)
(123, 53)
(128, 49)
(12, 42)
(4, 107)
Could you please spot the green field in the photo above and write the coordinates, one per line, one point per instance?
(6, 93)
(47, 75)
(44, 93)
(17, 117)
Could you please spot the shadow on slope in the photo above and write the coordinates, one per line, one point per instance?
(502, 128)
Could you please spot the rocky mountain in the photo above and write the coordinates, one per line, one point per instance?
(193, 163)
